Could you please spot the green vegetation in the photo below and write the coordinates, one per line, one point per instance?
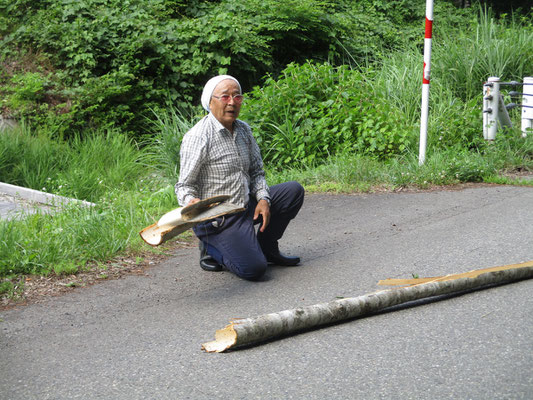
(313, 111)
(356, 173)
(105, 63)
(105, 90)
(84, 169)
(107, 169)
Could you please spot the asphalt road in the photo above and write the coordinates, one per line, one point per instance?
(140, 337)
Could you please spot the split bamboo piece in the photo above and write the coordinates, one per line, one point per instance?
(254, 330)
(181, 219)
(469, 274)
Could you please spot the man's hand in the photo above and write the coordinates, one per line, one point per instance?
(262, 209)
(195, 200)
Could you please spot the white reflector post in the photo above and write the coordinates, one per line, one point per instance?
(527, 112)
(487, 90)
(425, 83)
(493, 100)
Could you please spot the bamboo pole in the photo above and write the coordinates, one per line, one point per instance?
(469, 274)
(254, 330)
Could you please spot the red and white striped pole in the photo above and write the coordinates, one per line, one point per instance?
(425, 83)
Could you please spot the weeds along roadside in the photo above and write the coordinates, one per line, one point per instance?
(105, 168)
(348, 173)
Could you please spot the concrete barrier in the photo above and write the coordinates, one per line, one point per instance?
(8, 123)
(37, 196)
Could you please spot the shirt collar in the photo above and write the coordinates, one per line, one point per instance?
(218, 125)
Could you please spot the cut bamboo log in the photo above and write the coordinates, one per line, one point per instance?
(254, 330)
(469, 274)
(181, 219)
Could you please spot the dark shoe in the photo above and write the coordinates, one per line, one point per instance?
(278, 258)
(208, 263)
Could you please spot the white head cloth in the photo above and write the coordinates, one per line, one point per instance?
(210, 86)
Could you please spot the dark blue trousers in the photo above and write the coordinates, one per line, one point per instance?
(232, 241)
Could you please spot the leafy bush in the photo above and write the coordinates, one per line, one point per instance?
(316, 110)
(109, 62)
(27, 87)
(114, 60)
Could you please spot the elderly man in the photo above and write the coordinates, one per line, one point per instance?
(219, 156)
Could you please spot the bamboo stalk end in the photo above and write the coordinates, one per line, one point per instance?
(224, 339)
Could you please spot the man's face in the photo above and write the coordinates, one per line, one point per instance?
(226, 113)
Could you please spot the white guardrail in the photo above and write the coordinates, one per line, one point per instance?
(495, 110)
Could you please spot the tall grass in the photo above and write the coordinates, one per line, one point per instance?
(29, 160)
(65, 241)
(462, 60)
(169, 126)
(81, 168)
(356, 173)
(106, 168)
(398, 81)
(100, 163)
(465, 58)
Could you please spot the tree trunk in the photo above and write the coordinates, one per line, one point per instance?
(268, 326)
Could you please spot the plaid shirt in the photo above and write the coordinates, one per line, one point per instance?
(215, 162)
